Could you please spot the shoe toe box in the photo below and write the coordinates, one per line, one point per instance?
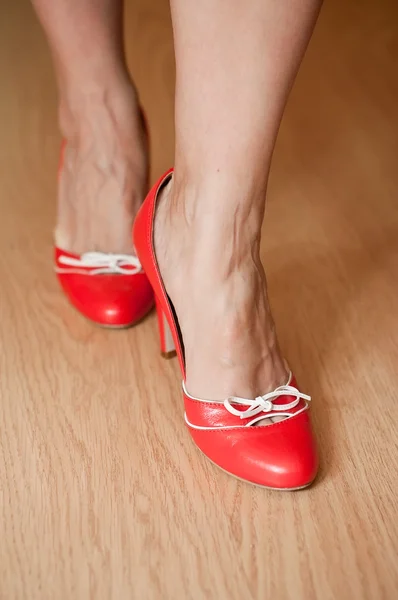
(280, 456)
(109, 300)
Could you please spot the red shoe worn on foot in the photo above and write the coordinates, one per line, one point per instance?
(281, 455)
(111, 290)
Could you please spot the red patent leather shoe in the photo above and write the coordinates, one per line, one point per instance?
(281, 455)
(111, 290)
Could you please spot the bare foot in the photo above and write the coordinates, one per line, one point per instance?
(215, 279)
(105, 173)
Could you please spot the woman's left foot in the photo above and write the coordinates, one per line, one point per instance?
(225, 319)
(213, 309)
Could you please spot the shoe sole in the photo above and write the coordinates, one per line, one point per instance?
(117, 327)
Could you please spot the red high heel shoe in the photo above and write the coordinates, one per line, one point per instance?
(281, 455)
(110, 289)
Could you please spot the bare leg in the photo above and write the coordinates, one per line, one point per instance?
(104, 176)
(236, 61)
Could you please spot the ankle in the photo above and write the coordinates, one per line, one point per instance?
(225, 318)
(114, 101)
(211, 223)
(105, 168)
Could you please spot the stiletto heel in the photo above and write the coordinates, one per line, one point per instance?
(167, 345)
(281, 455)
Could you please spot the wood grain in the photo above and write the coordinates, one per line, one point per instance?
(98, 502)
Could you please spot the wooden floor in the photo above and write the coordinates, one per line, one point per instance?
(98, 503)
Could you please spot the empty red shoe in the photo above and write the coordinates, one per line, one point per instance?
(281, 455)
(110, 289)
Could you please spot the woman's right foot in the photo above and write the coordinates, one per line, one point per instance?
(103, 178)
(104, 174)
